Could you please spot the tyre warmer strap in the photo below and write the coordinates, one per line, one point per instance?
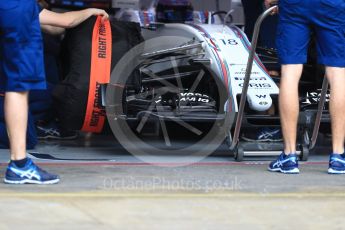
(99, 74)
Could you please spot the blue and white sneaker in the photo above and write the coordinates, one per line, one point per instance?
(264, 135)
(29, 174)
(336, 164)
(52, 132)
(285, 164)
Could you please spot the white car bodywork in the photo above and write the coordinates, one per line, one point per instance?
(228, 50)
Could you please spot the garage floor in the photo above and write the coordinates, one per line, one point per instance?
(104, 187)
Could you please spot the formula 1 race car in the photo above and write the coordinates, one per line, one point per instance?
(190, 74)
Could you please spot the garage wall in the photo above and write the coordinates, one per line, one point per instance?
(202, 5)
(224, 5)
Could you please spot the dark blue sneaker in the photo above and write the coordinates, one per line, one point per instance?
(264, 135)
(336, 164)
(285, 164)
(29, 174)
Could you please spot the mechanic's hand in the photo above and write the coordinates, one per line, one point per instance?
(270, 3)
(99, 12)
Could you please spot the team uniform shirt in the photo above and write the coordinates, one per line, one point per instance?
(174, 11)
(21, 47)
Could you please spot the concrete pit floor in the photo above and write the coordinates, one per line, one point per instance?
(104, 187)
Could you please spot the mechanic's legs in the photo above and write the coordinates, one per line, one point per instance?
(289, 105)
(16, 116)
(336, 78)
(252, 10)
(21, 170)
